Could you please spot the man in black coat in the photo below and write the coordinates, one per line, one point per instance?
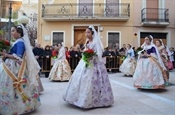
(38, 52)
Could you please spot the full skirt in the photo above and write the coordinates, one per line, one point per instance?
(40, 85)
(128, 66)
(148, 74)
(60, 71)
(11, 101)
(89, 87)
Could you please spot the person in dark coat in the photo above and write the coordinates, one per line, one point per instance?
(38, 53)
(106, 52)
(75, 53)
(74, 58)
(47, 60)
(122, 51)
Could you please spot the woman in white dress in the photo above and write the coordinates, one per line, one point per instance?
(149, 70)
(89, 86)
(61, 70)
(18, 84)
(129, 64)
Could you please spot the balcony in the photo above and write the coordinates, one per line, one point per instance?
(86, 11)
(155, 17)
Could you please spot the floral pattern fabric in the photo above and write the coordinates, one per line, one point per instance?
(89, 87)
(11, 102)
(128, 66)
(61, 71)
(148, 74)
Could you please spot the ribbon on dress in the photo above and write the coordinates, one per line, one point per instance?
(163, 71)
(18, 81)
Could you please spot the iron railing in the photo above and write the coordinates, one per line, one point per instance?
(155, 14)
(81, 10)
(112, 63)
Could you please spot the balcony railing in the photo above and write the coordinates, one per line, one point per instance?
(155, 17)
(86, 11)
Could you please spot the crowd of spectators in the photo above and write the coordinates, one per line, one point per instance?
(72, 52)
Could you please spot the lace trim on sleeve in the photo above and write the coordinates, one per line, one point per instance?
(154, 55)
(17, 57)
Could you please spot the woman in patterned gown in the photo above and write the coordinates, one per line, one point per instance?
(129, 64)
(61, 70)
(149, 70)
(89, 86)
(18, 84)
(164, 55)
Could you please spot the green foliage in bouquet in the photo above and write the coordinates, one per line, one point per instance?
(4, 45)
(138, 49)
(87, 56)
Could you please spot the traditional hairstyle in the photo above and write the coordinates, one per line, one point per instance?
(150, 38)
(91, 30)
(130, 45)
(19, 30)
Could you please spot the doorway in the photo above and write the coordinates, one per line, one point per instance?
(156, 37)
(79, 34)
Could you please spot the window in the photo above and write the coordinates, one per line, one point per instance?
(85, 9)
(113, 39)
(112, 8)
(57, 37)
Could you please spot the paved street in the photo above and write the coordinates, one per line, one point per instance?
(128, 100)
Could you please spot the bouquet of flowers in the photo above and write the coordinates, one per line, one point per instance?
(138, 50)
(123, 57)
(54, 54)
(87, 56)
(4, 45)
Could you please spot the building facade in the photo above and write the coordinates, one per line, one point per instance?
(66, 21)
(155, 17)
(117, 21)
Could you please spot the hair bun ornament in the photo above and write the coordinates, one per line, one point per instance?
(90, 26)
(19, 26)
(151, 36)
(62, 43)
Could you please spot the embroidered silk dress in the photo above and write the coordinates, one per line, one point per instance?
(148, 73)
(164, 57)
(61, 70)
(16, 100)
(129, 64)
(89, 87)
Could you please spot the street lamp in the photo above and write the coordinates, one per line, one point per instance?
(23, 20)
(10, 17)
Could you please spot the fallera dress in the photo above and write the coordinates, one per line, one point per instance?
(129, 64)
(148, 73)
(89, 87)
(61, 70)
(16, 99)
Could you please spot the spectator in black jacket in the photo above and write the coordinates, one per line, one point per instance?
(122, 51)
(38, 52)
(47, 60)
(106, 52)
(116, 51)
(75, 53)
(74, 57)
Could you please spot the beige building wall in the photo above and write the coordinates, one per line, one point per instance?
(124, 28)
